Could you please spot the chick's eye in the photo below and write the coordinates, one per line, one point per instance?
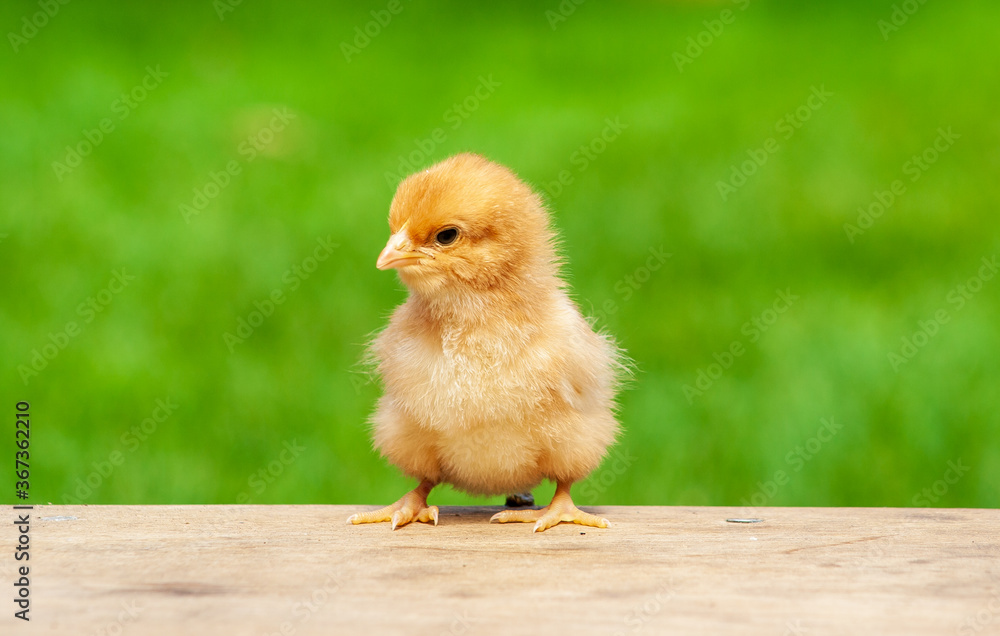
(447, 236)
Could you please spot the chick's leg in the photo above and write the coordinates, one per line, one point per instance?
(411, 506)
(560, 509)
(520, 500)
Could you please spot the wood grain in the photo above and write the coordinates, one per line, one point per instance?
(300, 570)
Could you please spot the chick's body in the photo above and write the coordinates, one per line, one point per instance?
(494, 404)
(493, 379)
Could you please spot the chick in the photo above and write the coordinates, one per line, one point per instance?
(493, 379)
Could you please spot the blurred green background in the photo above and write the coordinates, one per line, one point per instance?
(691, 92)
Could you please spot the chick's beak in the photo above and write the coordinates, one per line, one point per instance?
(397, 253)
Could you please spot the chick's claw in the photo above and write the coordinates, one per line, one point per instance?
(403, 516)
(411, 507)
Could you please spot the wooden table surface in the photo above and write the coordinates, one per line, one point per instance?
(301, 570)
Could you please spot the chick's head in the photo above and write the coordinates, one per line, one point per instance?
(467, 223)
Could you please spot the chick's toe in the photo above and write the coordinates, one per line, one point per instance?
(411, 507)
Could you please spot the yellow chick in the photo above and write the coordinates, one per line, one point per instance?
(493, 379)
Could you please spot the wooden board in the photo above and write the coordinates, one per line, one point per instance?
(149, 570)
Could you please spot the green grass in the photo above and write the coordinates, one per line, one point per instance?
(296, 378)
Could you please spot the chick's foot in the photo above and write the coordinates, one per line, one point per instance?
(411, 507)
(560, 509)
